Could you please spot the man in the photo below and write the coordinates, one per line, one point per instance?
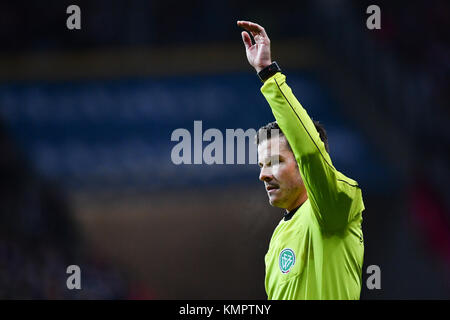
(316, 251)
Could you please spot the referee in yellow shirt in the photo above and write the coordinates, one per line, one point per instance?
(316, 251)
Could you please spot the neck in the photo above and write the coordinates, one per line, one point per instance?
(300, 200)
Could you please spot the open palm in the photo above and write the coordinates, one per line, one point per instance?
(258, 54)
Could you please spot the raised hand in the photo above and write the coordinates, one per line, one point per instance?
(258, 54)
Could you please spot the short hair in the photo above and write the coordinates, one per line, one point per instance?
(274, 125)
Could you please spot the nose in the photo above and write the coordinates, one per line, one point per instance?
(265, 175)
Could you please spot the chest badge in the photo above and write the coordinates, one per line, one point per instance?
(286, 260)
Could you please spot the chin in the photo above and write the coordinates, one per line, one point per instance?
(274, 202)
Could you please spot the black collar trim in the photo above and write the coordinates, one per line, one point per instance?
(288, 215)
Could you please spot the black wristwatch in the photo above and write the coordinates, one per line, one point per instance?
(269, 71)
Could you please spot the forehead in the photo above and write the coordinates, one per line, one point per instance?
(266, 146)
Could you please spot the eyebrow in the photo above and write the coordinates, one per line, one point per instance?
(279, 156)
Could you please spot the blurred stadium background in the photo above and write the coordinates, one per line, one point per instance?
(85, 124)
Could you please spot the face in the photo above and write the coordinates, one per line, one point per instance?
(282, 179)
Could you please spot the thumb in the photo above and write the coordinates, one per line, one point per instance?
(246, 39)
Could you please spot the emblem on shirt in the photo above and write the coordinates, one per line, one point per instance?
(286, 260)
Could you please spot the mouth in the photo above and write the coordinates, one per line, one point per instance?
(271, 188)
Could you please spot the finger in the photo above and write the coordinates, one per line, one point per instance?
(252, 27)
(249, 26)
(256, 28)
(246, 39)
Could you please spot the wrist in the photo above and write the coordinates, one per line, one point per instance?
(269, 71)
(262, 66)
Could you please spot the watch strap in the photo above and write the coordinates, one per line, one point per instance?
(269, 71)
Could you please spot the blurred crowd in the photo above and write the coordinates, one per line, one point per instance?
(417, 35)
(39, 240)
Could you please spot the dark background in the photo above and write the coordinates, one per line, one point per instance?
(86, 118)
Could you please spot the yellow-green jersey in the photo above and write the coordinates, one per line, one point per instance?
(318, 253)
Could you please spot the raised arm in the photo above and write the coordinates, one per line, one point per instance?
(335, 198)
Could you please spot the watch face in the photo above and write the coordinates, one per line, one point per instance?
(274, 67)
(269, 71)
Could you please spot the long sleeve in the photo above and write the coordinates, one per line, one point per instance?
(335, 198)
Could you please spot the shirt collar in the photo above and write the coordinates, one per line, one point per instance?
(289, 214)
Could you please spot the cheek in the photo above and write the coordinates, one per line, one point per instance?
(281, 174)
(278, 171)
(289, 175)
